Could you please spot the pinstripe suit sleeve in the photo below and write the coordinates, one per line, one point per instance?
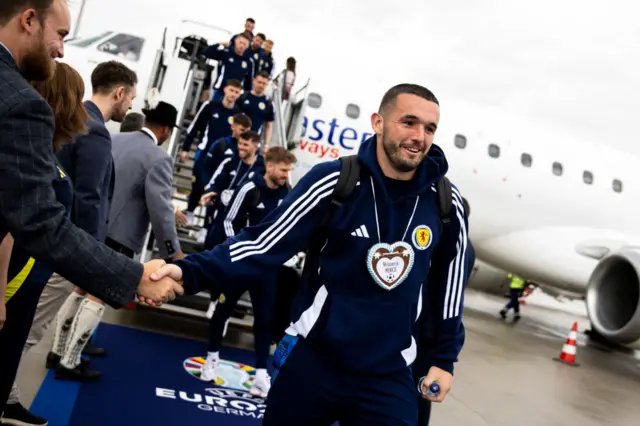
(157, 190)
(30, 211)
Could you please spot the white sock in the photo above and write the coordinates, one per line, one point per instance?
(64, 319)
(261, 373)
(84, 324)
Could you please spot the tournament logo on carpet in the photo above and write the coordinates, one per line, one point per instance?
(230, 374)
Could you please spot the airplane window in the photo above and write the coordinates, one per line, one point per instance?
(526, 160)
(353, 111)
(460, 141)
(557, 169)
(617, 185)
(494, 151)
(314, 100)
(587, 177)
(84, 42)
(123, 45)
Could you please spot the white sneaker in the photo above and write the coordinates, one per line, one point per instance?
(209, 369)
(261, 384)
(211, 310)
(201, 236)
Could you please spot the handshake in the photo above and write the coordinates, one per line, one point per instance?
(160, 283)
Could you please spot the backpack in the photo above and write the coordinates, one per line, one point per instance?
(349, 175)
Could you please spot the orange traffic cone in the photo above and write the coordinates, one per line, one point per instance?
(569, 349)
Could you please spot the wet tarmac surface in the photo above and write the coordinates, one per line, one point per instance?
(506, 374)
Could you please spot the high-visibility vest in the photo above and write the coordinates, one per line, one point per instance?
(516, 282)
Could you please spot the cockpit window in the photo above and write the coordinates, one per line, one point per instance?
(84, 42)
(587, 177)
(123, 45)
(526, 160)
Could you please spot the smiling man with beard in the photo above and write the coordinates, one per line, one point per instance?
(385, 269)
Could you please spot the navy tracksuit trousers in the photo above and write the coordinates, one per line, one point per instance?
(309, 389)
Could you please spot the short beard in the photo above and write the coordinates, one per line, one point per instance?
(37, 65)
(394, 156)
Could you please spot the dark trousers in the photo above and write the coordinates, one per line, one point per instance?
(287, 288)
(311, 390)
(215, 236)
(262, 295)
(21, 309)
(514, 302)
(198, 181)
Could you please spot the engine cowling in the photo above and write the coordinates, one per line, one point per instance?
(613, 296)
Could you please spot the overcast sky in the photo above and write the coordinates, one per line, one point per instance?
(566, 66)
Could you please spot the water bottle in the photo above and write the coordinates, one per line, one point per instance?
(433, 391)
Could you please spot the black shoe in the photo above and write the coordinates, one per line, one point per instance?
(503, 314)
(516, 318)
(82, 373)
(93, 350)
(17, 415)
(53, 361)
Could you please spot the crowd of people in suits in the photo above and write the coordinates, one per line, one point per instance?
(76, 201)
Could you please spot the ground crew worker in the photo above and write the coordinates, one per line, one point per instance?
(353, 331)
(516, 287)
(250, 204)
(259, 108)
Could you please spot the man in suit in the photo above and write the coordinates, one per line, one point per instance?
(144, 185)
(89, 163)
(31, 36)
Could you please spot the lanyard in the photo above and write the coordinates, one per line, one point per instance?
(237, 172)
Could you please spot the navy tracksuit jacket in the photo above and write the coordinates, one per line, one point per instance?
(351, 342)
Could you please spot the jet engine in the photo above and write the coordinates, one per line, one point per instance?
(613, 296)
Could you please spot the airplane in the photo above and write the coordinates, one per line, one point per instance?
(557, 212)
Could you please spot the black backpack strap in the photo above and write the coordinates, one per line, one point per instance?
(445, 203)
(347, 180)
(254, 199)
(222, 144)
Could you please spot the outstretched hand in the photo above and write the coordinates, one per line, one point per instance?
(155, 292)
(165, 271)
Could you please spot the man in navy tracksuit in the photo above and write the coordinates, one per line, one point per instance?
(250, 204)
(232, 173)
(352, 338)
(259, 108)
(233, 64)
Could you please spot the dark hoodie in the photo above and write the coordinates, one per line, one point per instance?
(354, 320)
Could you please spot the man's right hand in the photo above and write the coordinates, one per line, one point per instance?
(206, 198)
(167, 272)
(157, 291)
(183, 156)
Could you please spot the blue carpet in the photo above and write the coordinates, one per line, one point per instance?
(149, 378)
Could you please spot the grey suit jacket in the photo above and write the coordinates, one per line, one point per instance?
(28, 206)
(144, 178)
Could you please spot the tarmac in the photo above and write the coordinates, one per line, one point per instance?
(506, 374)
